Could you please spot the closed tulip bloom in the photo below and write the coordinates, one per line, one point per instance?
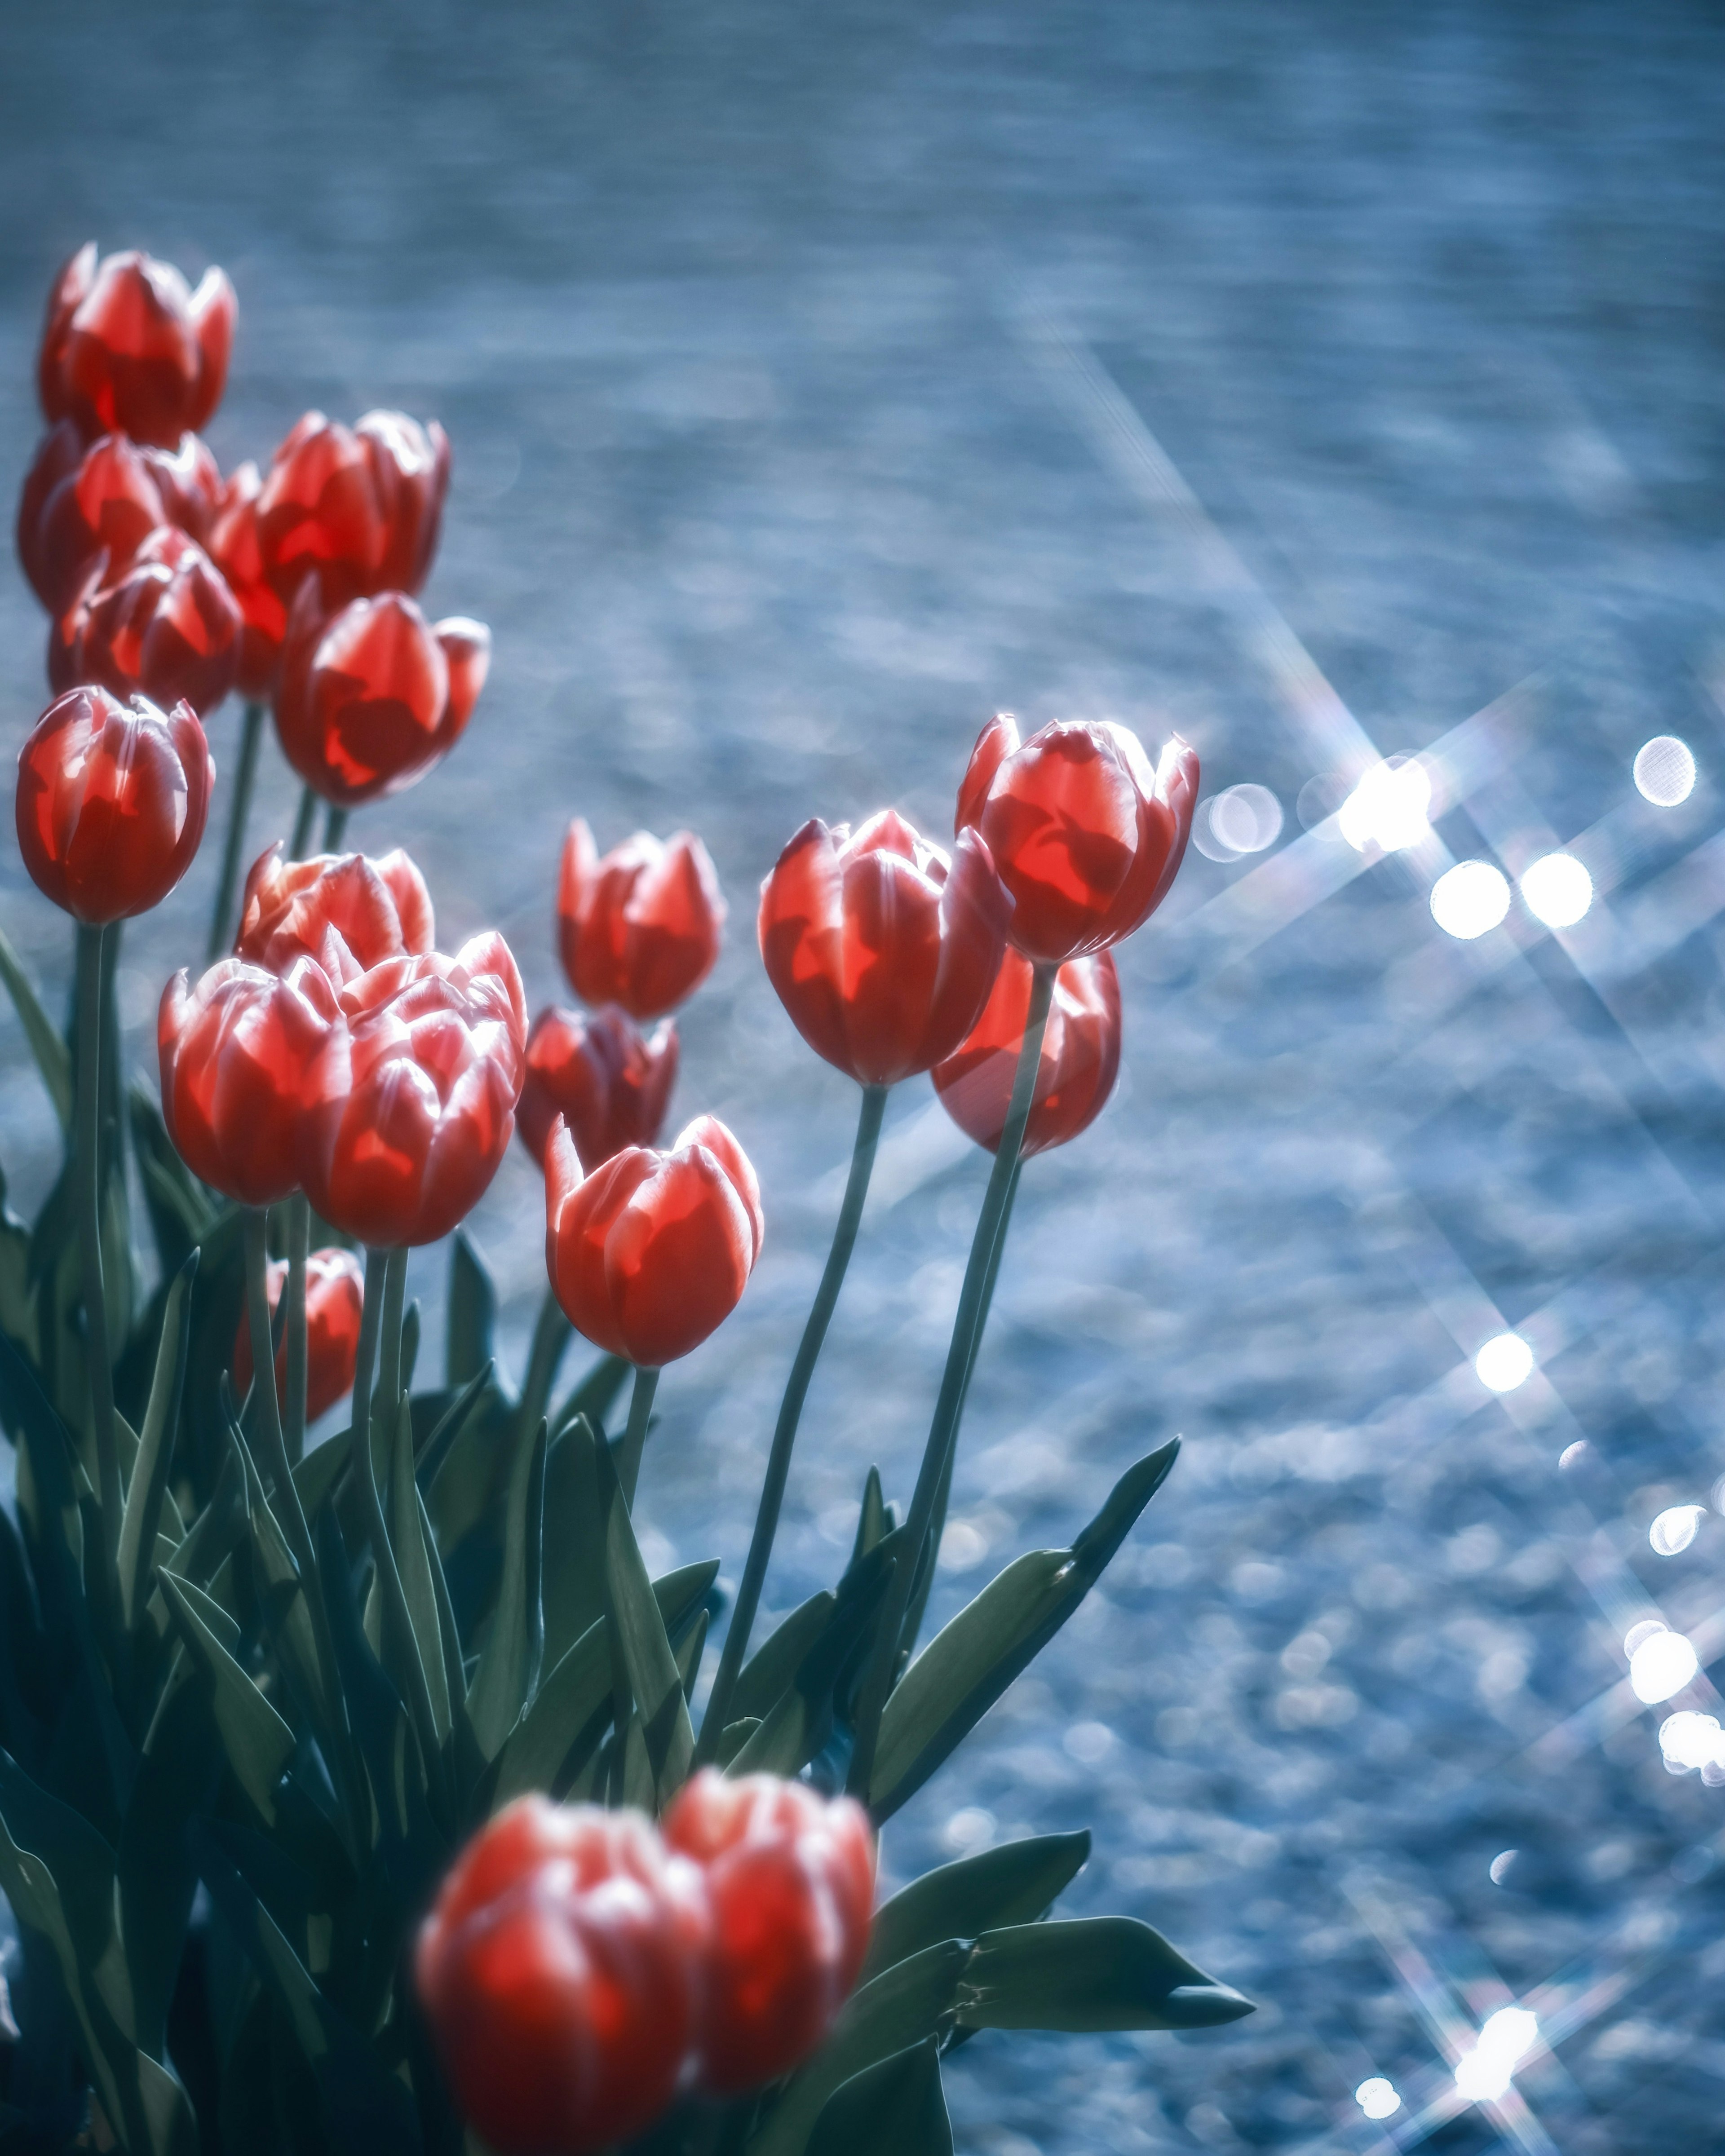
(1076, 1073)
(560, 1970)
(190, 483)
(111, 803)
(371, 699)
(346, 910)
(128, 348)
(1086, 837)
(641, 928)
(651, 1253)
(334, 1300)
(412, 1104)
(882, 950)
(167, 627)
(237, 1051)
(78, 503)
(790, 1885)
(356, 508)
(233, 548)
(609, 1081)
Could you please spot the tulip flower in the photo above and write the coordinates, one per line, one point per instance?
(371, 699)
(233, 547)
(560, 1968)
(128, 349)
(238, 1053)
(651, 1253)
(111, 803)
(882, 950)
(167, 627)
(78, 503)
(790, 1886)
(609, 1081)
(335, 1296)
(356, 509)
(1085, 836)
(412, 1103)
(346, 910)
(641, 928)
(1078, 1064)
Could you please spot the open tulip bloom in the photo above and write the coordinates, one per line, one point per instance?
(404, 1710)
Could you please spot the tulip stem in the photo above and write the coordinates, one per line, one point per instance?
(790, 1412)
(298, 1375)
(263, 1392)
(251, 733)
(334, 823)
(944, 1430)
(635, 1437)
(302, 825)
(88, 1156)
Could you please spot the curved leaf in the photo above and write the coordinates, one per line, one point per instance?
(897, 2108)
(1011, 1885)
(1089, 1973)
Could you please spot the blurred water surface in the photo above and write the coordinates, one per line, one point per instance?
(1319, 380)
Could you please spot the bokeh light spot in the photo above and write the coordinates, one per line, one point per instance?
(1558, 890)
(1661, 1667)
(1674, 1530)
(1389, 809)
(1469, 899)
(1504, 1363)
(1377, 2098)
(1664, 771)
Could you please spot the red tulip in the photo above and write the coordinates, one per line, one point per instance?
(78, 503)
(358, 508)
(1076, 1071)
(371, 699)
(790, 1885)
(334, 1300)
(237, 1055)
(609, 1081)
(651, 1253)
(167, 626)
(111, 803)
(233, 548)
(129, 349)
(1085, 836)
(346, 910)
(641, 927)
(190, 483)
(881, 949)
(560, 1970)
(412, 1103)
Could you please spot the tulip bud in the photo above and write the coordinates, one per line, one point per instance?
(1076, 1073)
(609, 1081)
(128, 348)
(78, 503)
(346, 910)
(335, 1301)
(559, 1969)
(356, 509)
(882, 950)
(111, 803)
(641, 928)
(651, 1253)
(167, 627)
(233, 548)
(1085, 836)
(790, 1886)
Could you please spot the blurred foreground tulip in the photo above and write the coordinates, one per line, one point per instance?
(335, 1294)
(412, 1104)
(111, 803)
(371, 699)
(128, 348)
(236, 1053)
(641, 927)
(790, 1885)
(561, 1969)
(651, 1253)
(1085, 836)
(609, 1081)
(1078, 1064)
(882, 948)
(356, 509)
(346, 910)
(167, 627)
(78, 503)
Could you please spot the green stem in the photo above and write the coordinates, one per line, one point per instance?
(784, 1435)
(552, 1332)
(263, 1392)
(251, 733)
(944, 1430)
(335, 822)
(298, 1375)
(634, 1438)
(302, 825)
(87, 1146)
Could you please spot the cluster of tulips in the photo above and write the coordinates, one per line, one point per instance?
(580, 1966)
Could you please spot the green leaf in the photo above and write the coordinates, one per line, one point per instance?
(905, 2005)
(448, 1426)
(150, 1469)
(157, 1870)
(416, 1556)
(801, 1721)
(575, 1575)
(182, 1210)
(18, 1289)
(508, 1667)
(768, 1671)
(654, 1680)
(472, 1321)
(257, 1742)
(1089, 1973)
(872, 1522)
(965, 1668)
(688, 1654)
(595, 1394)
(1011, 1885)
(54, 1059)
(281, 1595)
(897, 2108)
